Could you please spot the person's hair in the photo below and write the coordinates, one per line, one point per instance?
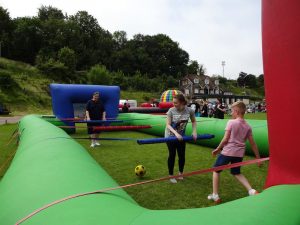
(96, 93)
(240, 105)
(180, 98)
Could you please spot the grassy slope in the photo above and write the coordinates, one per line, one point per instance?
(29, 92)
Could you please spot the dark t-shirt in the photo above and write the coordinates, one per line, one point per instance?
(95, 109)
(205, 111)
(219, 113)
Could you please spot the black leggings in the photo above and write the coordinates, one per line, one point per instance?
(180, 147)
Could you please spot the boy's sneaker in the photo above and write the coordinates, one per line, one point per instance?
(173, 180)
(181, 177)
(93, 145)
(97, 143)
(253, 192)
(214, 197)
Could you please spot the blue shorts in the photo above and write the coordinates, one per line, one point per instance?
(224, 160)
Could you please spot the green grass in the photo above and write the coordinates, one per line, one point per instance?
(6, 150)
(252, 116)
(119, 158)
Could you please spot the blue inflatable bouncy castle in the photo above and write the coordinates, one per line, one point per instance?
(64, 96)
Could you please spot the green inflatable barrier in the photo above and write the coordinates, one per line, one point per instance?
(204, 126)
(50, 166)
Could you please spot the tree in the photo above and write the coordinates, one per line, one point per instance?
(248, 80)
(94, 45)
(260, 80)
(193, 67)
(120, 38)
(152, 55)
(6, 28)
(49, 12)
(26, 39)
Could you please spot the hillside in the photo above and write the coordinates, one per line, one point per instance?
(25, 90)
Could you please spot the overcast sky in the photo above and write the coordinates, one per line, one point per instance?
(211, 31)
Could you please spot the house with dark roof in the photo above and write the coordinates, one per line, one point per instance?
(196, 87)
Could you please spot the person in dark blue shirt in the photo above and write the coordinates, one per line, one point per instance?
(94, 111)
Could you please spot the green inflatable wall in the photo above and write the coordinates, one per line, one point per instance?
(49, 166)
(204, 126)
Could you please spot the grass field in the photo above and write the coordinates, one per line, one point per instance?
(119, 159)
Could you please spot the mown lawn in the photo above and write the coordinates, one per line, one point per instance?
(119, 159)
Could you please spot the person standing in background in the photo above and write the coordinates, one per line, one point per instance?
(94, 111)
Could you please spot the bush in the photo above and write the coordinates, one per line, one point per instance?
(98, 74)
(55, 70)
(6, 81)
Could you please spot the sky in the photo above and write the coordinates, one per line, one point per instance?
(211, 31)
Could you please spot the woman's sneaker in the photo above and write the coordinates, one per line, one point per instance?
(253, 192)
(214, 197)
(93, 145)
(181, 177)
(97, 143)
(173, 180)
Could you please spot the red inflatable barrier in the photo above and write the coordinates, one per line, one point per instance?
(146, 105)
(281, 55)
(166, 105)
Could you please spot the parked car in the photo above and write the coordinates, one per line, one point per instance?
(4, 110)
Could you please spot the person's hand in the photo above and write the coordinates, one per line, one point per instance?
(88, 119)
(179, 137)
(216, 151)
(195, 136)
(104, 119)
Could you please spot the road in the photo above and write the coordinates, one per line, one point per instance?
(13, 119)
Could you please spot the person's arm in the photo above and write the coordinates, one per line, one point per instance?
(254, 148)
(87, 114)
(222, 143)
(223, 110)
(168, 124)
(194, 126)
(104, 116)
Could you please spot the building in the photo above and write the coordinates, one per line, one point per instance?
(204, 87)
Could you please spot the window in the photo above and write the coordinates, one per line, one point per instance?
(217, 91)
(202, 91)
(187, 91)
(196, 81)
(184, 82)
(196, 91)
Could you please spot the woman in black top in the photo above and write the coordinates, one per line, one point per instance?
(204, 111)
(94, 111)
(220, 110)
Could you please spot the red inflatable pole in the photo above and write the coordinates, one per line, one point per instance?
(281, 56)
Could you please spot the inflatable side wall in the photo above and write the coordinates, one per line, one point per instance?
(204, 126)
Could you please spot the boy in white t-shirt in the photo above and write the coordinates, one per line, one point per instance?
(232, 148)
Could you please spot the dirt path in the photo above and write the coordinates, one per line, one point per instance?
(13, 119)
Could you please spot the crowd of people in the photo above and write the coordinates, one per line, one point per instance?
(218, 109)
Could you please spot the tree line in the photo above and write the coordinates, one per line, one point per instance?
(60, 45)
(76, 49)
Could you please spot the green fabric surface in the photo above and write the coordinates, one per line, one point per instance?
(49, 166)
(204, 126)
